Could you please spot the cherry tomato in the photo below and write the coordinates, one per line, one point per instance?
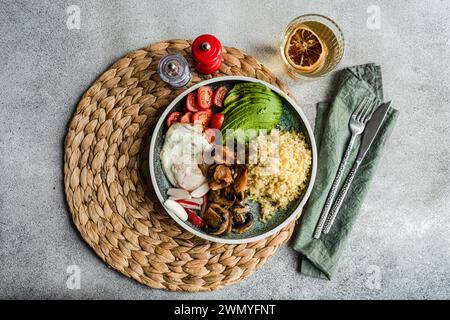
(186, 118)
(211, 134)
(191, 103)
(173, 117)
(219, 96)
(204, 97)
(201, 117)
(216, 121)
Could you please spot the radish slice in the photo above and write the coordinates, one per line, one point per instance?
(176, 208)
(178, 193)
(195, 219)
(175, 198)
(189, 204)
(196, 200)
(200, 191)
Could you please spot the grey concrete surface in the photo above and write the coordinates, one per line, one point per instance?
(402, 236)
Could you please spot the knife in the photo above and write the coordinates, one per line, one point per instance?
(370, 132)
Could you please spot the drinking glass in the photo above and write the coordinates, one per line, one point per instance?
(330, 36)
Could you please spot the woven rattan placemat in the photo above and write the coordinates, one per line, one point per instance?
(107, 182)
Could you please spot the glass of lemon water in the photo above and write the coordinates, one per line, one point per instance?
(311, 46)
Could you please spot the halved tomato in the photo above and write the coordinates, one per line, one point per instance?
(204, 97)
(219, 96)
(216, 121)
(173, 117)
(201, 117)
(211, 134)
(186, 118)
(191, 103)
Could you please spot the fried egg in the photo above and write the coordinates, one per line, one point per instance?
(182, 152)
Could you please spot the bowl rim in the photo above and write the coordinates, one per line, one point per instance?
(187, 227)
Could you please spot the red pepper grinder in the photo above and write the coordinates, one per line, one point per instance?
(206, 51)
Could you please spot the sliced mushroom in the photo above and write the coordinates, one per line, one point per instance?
(211, 170)
(214, 185)
(240, 183)
(217, 219)
(221, 177)
(228, 194)
(227, 212)
(223, 173)
(240, 210)
(217, 196)
(242, 219)
(240, 197)
(229, 227)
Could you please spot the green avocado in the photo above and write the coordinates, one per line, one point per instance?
(255, 116)
(250, 106)
(251, 85)
(249, 98)
(245, 103)
(242, 89)
(247, 108)
(237, 95)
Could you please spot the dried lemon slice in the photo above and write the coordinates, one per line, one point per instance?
(304, 50)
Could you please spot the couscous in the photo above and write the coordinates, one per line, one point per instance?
(280, 165)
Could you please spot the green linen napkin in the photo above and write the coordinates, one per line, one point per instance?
(319, 257)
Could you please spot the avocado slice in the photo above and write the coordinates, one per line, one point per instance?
(252, 96)
(250, 106)
(259, 107)
(251, 85)
(242, 89)
(233, 97)
(254, 118)
(246, 102)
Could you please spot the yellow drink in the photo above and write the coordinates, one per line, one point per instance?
(311, 46)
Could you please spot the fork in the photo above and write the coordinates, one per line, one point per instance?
(357, 124)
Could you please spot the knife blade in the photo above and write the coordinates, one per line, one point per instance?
(372, 128)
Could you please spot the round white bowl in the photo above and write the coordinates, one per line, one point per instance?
(251, 238)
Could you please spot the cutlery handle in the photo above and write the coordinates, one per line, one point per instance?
(333, 190)
(341, 197)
